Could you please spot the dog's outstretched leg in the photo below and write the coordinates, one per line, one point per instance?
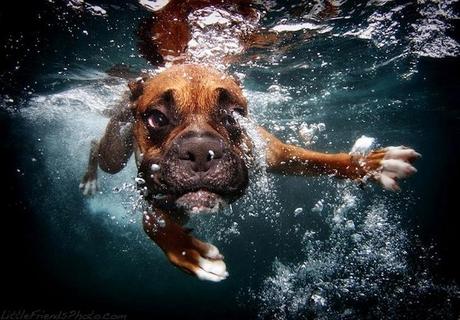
(189, 254)
(113, 151)
(385, 166)
(88, 184)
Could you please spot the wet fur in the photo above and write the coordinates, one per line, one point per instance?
(196, 99)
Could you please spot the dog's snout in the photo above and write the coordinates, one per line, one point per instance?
(202, 152)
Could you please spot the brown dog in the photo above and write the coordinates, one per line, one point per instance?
(194, 157)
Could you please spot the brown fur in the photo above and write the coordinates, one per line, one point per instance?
(195, 89)
(195, 92)
(167, 33)
(193, 97)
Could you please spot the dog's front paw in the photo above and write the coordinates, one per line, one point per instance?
(88, 185)
(189, 254)
(200, 259)
(390, 164)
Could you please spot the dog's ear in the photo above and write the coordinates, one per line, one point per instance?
(137, 87)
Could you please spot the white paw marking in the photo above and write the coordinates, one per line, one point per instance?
(214, 266)
(215, 270)
(387, 182)
(211, 267)
(89, 187)
(213, 253)
(400, 153)
(395, 165)
(203, 275)
(398, 167)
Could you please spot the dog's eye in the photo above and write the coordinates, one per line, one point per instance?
(157, 119)
(228, 116)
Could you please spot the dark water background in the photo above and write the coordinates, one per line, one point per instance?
(398, 258)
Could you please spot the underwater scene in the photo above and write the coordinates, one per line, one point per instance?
(338, 76)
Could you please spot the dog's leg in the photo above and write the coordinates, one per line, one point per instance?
(384, 165)
(113, 151)
(189, 254)
(88, 184)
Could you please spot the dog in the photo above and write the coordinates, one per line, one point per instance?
(193, 156)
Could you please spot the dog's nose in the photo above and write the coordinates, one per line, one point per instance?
(202, 152)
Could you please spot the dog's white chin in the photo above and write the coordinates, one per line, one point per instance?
(201, 202)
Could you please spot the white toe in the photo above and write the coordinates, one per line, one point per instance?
(213, 253)
(93, 187)
(400, 153)
(400, 168)
(388, 183)
(216, 267)
(204, 275)
(89, 188)
(86, 189)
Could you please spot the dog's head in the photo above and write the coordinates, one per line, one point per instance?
(189, 141)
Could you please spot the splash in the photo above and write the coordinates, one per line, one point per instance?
(97, 98)
(363, 145)
(430, 33)
(260, 195)
(427, 36)
(153, 5)
(64, 123)
(308, 132)
(81, 5)
(380, 27)
(216, 34)
(300, 26)
(360, 269)
(260, 199)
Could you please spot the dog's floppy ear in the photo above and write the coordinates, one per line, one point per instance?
(137, 87)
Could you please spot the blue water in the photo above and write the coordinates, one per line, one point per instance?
(295, 248)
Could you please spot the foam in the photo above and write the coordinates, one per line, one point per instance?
(215, 34)
(153, 5)
(297, 27)
(364, 258)
(363, 145)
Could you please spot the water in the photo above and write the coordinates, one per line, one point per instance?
(316, 247)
